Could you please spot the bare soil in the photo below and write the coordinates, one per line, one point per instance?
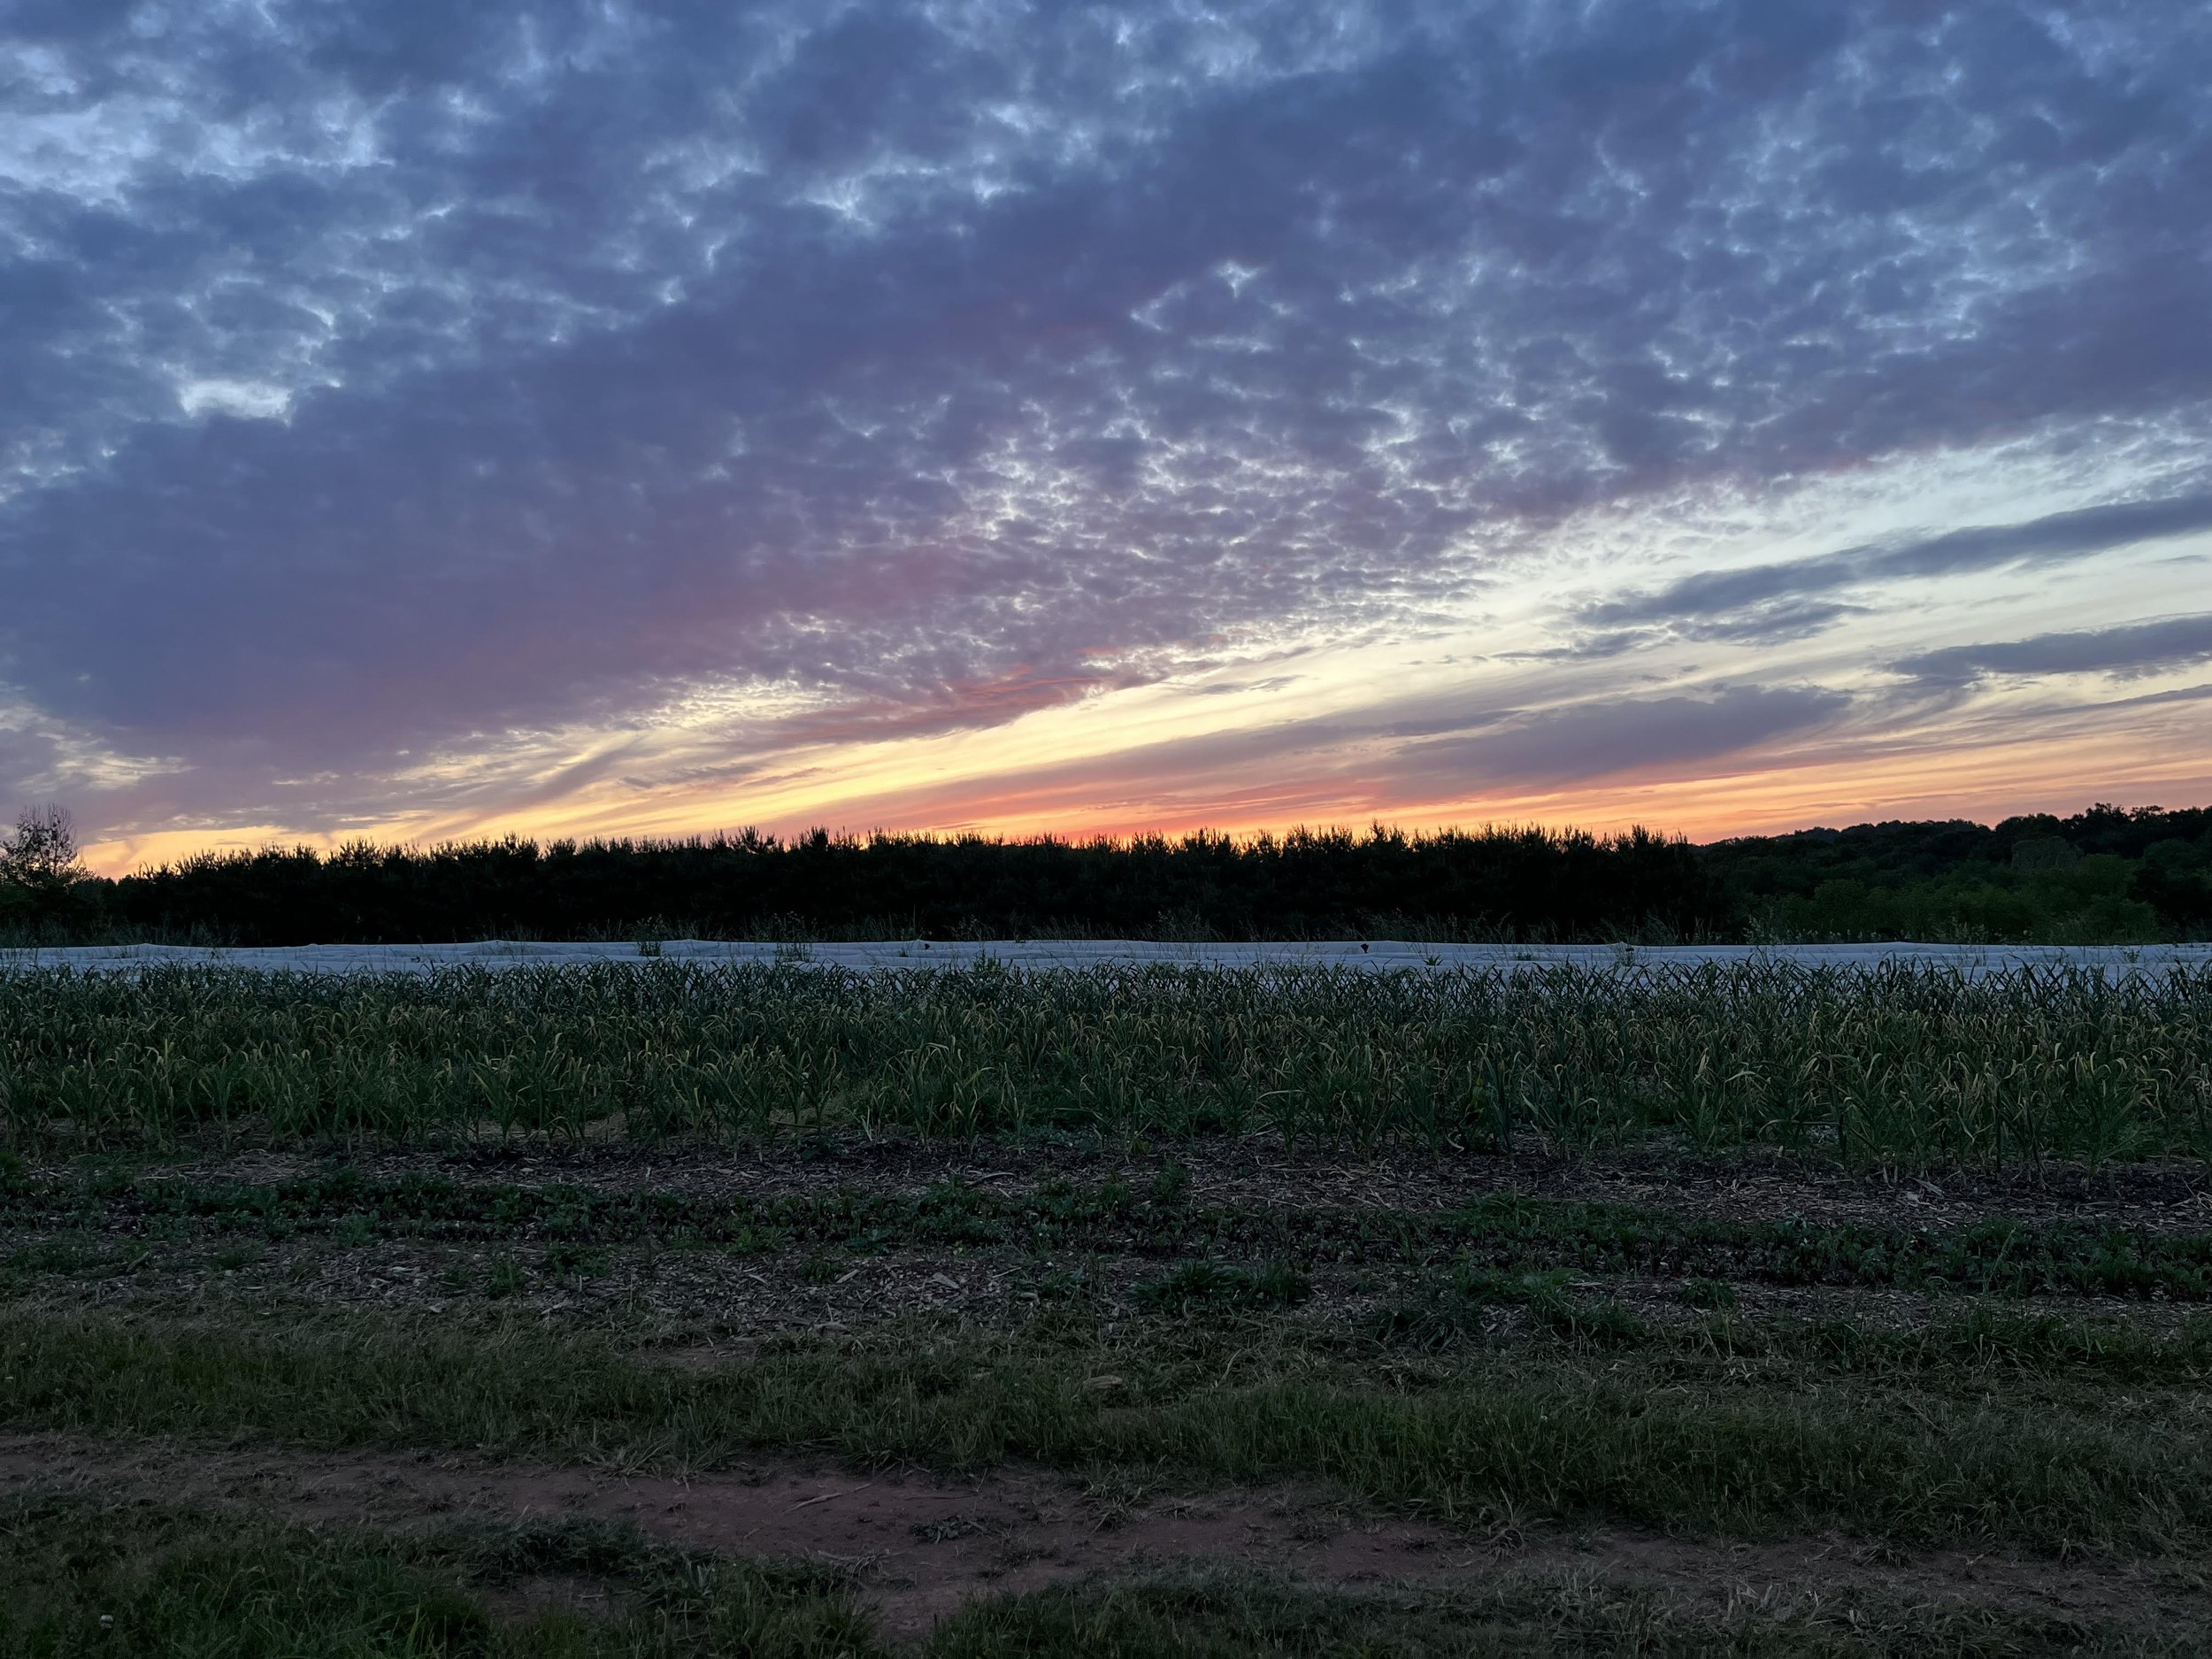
(1754, 1186)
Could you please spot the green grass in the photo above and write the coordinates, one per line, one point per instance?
(1901, 1066)
(1197, 1284)
(85, 1578)
(1504, 1363)
(1219, 1616)
(1654, 1440)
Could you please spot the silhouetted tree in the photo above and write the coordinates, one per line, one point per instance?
(42, 852)
(2105, 874)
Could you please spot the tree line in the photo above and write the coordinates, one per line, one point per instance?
(2105, 874)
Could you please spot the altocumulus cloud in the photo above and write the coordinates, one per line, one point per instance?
(393, 378)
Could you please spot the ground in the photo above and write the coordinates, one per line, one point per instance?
(1221, 1392)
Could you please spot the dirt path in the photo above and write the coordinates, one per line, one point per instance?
(921, 1546)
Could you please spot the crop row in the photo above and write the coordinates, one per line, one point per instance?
(1899, 1065)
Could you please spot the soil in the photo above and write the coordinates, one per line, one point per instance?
(714, 1302)
(1754, 1186)
(918, 1547)
(709, 1294)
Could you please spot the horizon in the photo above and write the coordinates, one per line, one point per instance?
(1374, 830)
(570, 420)
(118, 857)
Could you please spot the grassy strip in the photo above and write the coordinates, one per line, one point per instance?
(1904, 1066)
(1994, 1258)
(1218, 1617)
(1510, 1436)
(1981, 1348)
(1444, 1315)
(85, 1578)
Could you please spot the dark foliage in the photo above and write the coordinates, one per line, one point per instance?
(2105, 874)
(1505, 883)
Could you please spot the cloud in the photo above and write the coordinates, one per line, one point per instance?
(1418, 752)
(408, 377)
(956, 706)
(2139, 649)
(1770, 602)
(1645, 735)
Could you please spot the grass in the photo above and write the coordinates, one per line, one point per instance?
(1204, 1284)
(87, 1579)
(1645, 1438)
(1904, 1066)
(1877, 1376)
(1218, 1617)
(95, 1579)
(1503, 1234)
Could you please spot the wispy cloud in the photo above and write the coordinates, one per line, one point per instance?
(1774, 602)
(1604, 739)
(2139, 649)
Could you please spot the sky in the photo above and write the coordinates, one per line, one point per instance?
(421, 421)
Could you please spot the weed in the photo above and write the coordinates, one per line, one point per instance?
(579, 1260)
(1197, 1284)
(1599, 1320)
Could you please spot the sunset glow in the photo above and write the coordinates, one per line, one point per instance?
(610, 421)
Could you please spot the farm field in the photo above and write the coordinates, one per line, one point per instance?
(1590, 1306)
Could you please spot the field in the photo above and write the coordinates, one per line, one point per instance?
(669, 1307)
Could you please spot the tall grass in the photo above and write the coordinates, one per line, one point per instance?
(1905, 1065)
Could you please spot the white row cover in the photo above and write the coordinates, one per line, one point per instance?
(2115, 961)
